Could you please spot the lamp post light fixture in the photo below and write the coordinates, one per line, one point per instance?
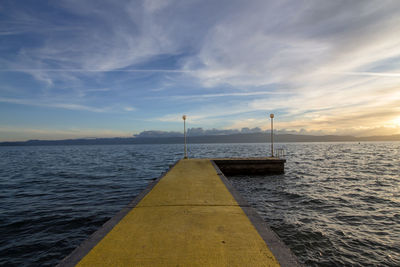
(184, 135)
(272, 134)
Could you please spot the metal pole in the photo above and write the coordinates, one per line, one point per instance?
(184, 134)
(272, 134)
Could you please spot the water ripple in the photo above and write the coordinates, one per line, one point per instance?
(337, 204)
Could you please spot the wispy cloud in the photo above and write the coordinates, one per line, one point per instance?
(378, 74)
(233, 94)
(129, 108)
(315, 64)
(70, 106)
(96, 70)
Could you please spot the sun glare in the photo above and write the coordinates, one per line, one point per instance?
(396, 122)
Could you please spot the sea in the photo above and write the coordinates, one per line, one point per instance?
(338, 204)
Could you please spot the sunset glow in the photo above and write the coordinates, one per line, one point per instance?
(395, 122)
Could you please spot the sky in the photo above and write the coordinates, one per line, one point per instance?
(73, 69)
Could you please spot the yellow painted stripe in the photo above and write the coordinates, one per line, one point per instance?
(188, 219)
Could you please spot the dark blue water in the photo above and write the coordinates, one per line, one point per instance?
(337, 203)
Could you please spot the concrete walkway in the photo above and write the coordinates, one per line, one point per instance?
(189, 218)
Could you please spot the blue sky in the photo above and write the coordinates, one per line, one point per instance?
(74, 68)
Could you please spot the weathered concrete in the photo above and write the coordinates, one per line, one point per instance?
(191, 217)
(281, 252)
(251, 166)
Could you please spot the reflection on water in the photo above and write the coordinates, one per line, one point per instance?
(337, 203)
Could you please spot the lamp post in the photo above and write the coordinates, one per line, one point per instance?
(272, 134)
(184, 134)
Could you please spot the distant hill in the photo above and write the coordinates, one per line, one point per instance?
(229, 138)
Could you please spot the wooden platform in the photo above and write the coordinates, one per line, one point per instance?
(189, 217)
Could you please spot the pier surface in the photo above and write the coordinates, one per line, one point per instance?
(189, 218)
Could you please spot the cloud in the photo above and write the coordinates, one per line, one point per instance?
(312, 55)
(129, 108)
(98, 38)
(70, 106)
(95, 70)
(232, 94)
(291, 41)
(197, 132)
(379, 74)
(317, 65)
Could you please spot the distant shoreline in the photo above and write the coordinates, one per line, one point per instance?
(207, 139)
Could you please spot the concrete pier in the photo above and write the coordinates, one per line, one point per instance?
(191, 216)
